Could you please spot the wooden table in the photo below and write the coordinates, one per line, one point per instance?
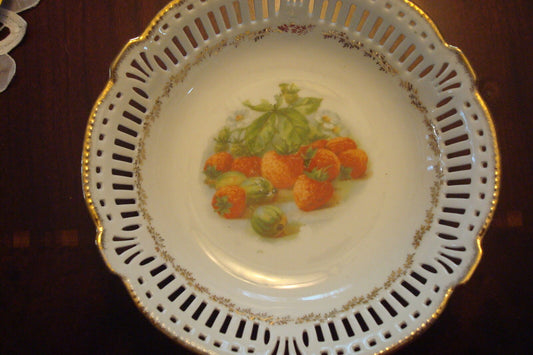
(56, 295)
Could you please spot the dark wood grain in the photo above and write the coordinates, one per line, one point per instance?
(57, 296)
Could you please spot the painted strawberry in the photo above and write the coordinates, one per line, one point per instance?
(340, 144)
(353, 163)
(229, 201)
(217, 164)
(281, 170)
(321, 143)
(326, 160)
(312, 190)
(249, 166)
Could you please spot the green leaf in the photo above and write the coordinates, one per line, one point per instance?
(283, 147)
(293, 128)
(264, 106)
(222, 139)
(211, 172)
(239, 149)
(289, 92)
(289, 88)
(345, 173)
(307, 105)
(318, 133)
(260, 132)
(308, 155)
(279, 101)
(223, 135)
(320, 175)
(221, 147)
(223, 205)
(284, 128)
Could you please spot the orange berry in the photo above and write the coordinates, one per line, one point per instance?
(310, 194)
(321, 143)
(340, 144)
(281, 170)
(229, 201)
(326, 160)
(217, 164)
(354, 163)
(249, 166)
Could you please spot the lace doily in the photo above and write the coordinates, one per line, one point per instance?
(12, 30)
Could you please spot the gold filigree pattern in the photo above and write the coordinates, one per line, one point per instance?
(343, 39)
(430, 213)
(434, 147)
(360, 300)
(296, 29)
(413, 95)
(159, 242)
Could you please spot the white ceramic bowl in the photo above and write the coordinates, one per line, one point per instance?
(362, 274)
